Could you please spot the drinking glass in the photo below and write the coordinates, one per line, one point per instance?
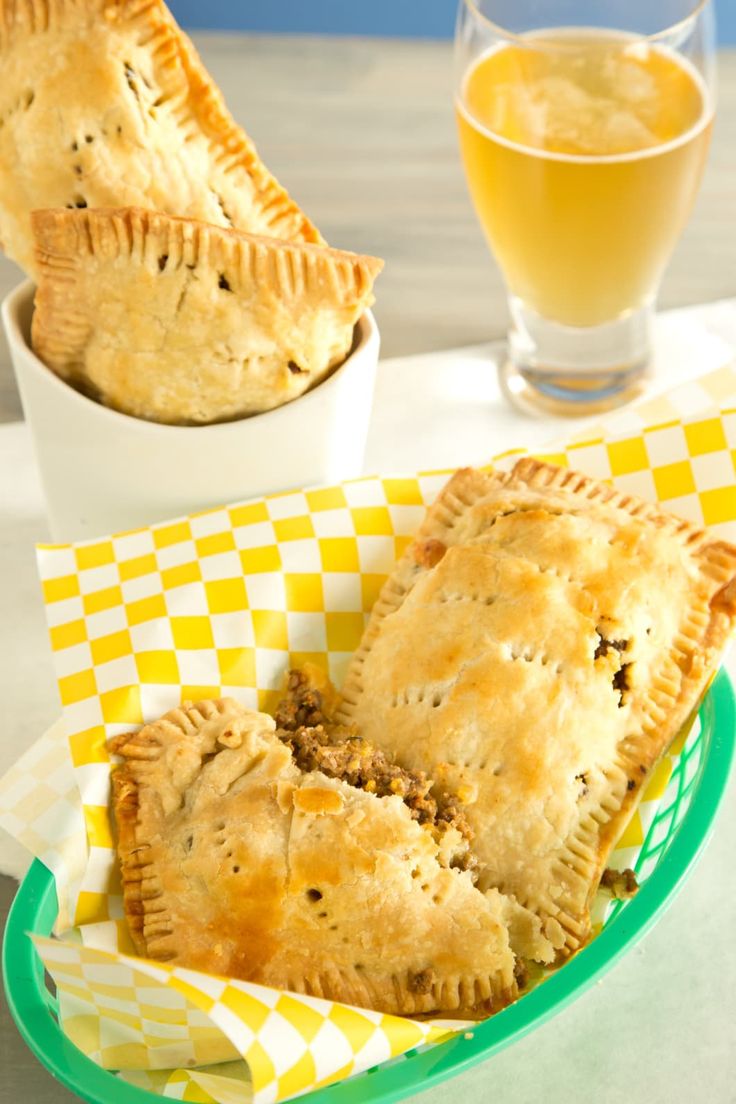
(584, 129)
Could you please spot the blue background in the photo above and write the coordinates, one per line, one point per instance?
(412, 18)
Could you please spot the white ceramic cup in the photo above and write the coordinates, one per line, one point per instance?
(105, 472)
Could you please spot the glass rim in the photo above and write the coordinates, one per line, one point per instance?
(522, 39)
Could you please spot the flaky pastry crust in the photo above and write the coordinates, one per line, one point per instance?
(105, 103)
(178, 321)
(545, 637)
(236, 862)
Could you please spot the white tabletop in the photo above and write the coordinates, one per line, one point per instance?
(659, 1029)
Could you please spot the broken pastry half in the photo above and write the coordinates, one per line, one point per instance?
(305, 719)
(178, 321)
(543, 639)
(105, 103)
(237, 861)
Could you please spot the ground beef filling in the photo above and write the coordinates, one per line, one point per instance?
(303, 706)
(521, 973)
(318, 743)
(621, 884)
(304, 723)
(423, 981)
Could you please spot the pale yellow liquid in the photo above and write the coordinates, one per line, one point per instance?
(583, 161)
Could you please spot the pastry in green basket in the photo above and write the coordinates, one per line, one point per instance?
(543, 639)
(245, 852)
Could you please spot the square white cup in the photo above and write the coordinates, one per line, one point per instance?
(103, 471)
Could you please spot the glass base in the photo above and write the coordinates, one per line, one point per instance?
(575, 372)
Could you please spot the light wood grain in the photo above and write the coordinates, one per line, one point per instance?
(361, 131)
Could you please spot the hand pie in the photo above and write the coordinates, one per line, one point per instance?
(544, 638)
(236, 861)
(176, 321)
(105, 103)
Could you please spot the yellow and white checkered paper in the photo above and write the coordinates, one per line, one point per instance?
(133, 1014)
(223, 602)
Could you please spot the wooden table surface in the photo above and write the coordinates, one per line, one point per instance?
(362, 134)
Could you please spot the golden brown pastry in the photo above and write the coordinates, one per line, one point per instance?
(237, 862)
(176, 321)
(105, 103)
(305, 719)
(544, 637)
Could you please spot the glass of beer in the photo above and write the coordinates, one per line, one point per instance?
(584, 129)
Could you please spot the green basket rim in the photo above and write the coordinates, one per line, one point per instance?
(35, 906)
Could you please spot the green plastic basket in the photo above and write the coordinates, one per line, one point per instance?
(673, 842)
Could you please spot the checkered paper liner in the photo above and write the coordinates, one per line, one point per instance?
(227, 1083)
(134, 1014)
(40, 806)
(221, 603)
